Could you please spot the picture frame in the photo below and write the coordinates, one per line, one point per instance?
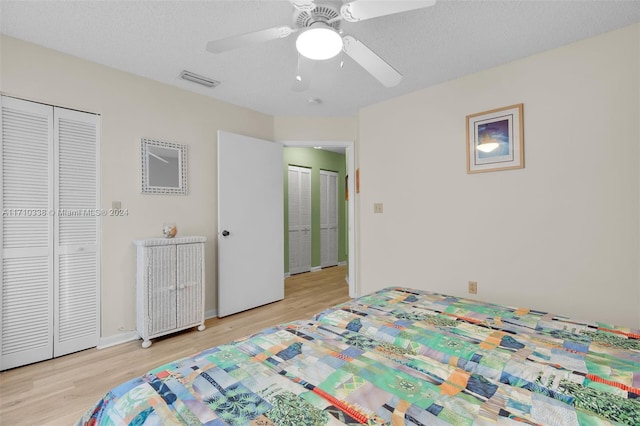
(163, 167)
(495, 140)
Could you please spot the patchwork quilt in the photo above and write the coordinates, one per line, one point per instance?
(398, 356)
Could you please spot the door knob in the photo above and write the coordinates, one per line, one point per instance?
(225, 233)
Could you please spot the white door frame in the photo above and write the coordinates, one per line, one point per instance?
(351, 171)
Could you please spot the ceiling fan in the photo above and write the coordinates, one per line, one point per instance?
(320, 38)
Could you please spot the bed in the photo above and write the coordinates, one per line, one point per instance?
(397, 356)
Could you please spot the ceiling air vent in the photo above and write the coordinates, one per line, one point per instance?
(205, 81)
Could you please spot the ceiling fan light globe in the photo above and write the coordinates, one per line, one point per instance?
(319, 43)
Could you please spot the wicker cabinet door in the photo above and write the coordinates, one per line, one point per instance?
(162, 289)
(189, 284)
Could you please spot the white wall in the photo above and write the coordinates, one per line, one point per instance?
(131, 108)
(288, 128)
(562, 234)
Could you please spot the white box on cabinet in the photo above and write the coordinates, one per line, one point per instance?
(169, 286)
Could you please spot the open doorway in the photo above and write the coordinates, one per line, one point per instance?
(315, 209)
(347, 147)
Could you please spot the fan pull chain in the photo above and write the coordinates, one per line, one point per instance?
(298, 75)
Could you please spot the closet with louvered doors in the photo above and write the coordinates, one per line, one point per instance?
(49, 231)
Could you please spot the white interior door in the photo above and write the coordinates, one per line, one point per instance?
(328, 218)
(76, 232)
(250, 223)
(27, 228)
(299, 219)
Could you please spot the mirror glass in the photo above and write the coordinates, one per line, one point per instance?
(163, 168)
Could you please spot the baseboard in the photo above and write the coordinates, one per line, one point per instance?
(117, 339)
(314, 269)
(343, 263)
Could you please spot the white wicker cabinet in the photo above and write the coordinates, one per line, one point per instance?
(169, 286)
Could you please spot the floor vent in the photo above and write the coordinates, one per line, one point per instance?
(205, 81)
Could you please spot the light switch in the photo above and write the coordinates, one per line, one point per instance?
(377, 207)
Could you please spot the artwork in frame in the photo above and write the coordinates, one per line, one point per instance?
(495, 140)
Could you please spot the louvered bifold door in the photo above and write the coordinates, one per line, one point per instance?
(76, 285)
(305, 219)
(190, 298)
(294, 219)
(26, 305)
(299, 219)
(328, 218)
(332, 214)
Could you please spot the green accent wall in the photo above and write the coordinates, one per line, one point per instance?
(316, 160)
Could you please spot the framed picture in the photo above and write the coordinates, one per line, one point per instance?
(163, 167)
(495, 140)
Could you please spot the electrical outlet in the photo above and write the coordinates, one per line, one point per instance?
(377, 207)
(473, 287)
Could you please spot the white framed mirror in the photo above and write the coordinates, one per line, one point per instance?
(163, 167)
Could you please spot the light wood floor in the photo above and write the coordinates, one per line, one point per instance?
(59, 391)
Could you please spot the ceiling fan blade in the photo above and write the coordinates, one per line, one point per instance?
(374, 64)
(303, 5)
(304, 73)
(242, 40)
(359, 10)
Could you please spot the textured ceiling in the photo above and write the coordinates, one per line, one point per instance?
(159, 39)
